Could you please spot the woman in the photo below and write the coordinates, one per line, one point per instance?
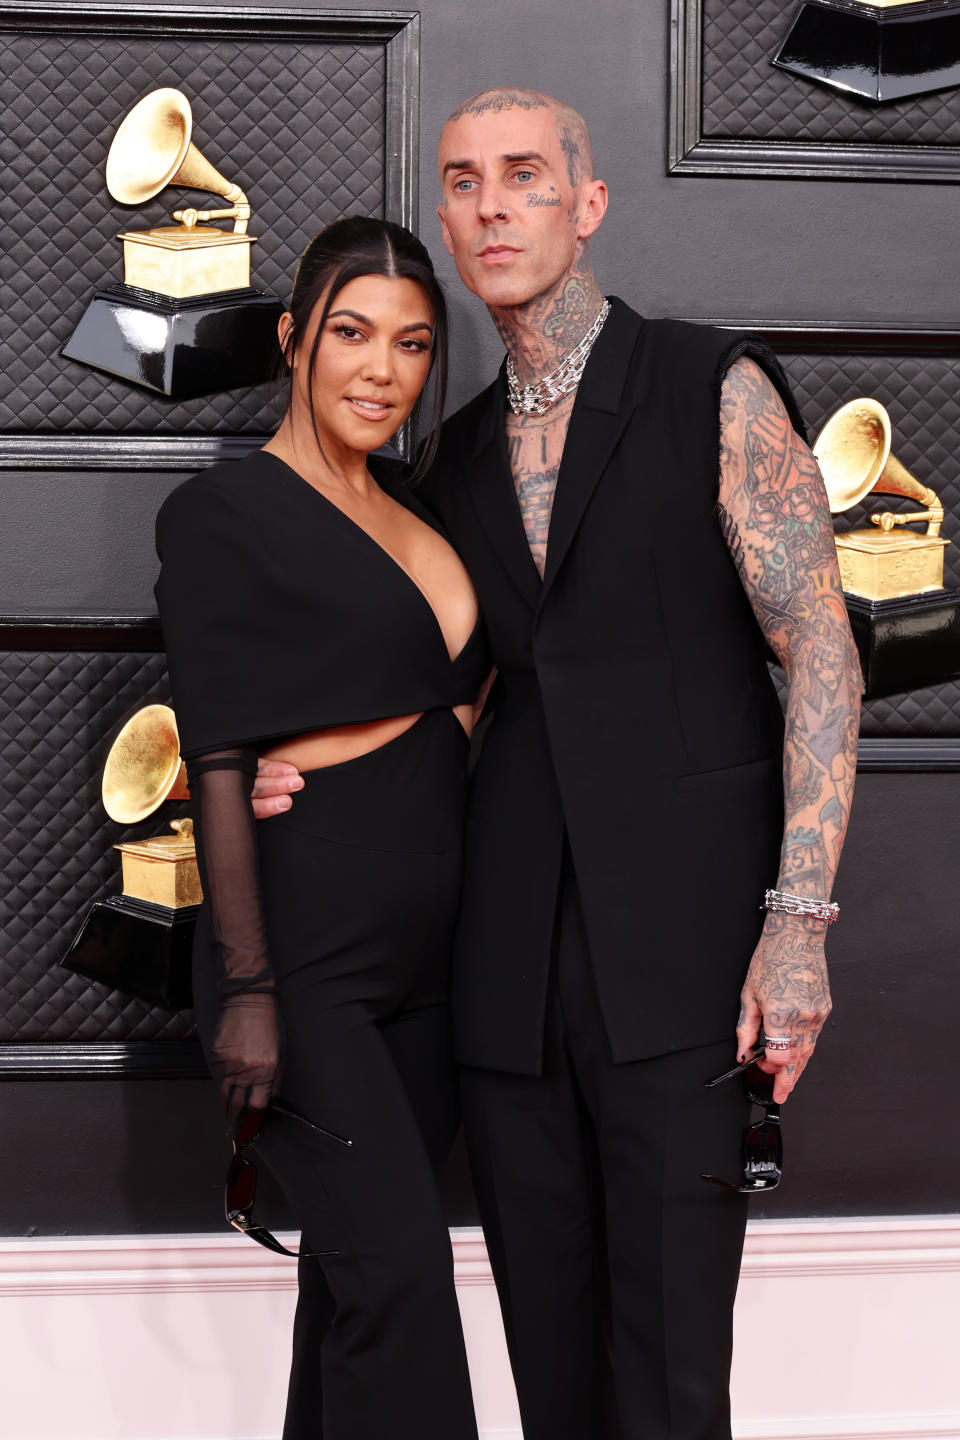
(313, 613)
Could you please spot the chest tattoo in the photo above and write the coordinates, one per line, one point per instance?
(535, 449)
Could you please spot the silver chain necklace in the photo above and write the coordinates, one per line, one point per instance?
(542, 395)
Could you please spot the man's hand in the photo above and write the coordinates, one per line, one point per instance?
(786, 993)
(276, 781)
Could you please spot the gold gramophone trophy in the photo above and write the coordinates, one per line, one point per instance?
(140, 942)
(876, 50)
(186, 320)
(906, 624)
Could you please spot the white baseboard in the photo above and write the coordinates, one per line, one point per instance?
(846, 1330)
(887, 1245)
(853, 1427)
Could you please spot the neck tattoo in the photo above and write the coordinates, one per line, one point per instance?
(543, 394)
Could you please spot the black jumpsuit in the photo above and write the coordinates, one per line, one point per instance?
(282, 616)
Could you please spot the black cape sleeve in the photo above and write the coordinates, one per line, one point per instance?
(208, 561)
(214, 611)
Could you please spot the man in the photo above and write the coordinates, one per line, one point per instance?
(638, 527)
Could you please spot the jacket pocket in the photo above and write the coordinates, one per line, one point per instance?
(729, 775)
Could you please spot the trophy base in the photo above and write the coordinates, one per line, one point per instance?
(908, 643)
(890, 564)
(139, 948)
(880, 52)
(178, 348)
(172, 260)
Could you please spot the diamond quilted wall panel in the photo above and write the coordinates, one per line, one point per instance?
(922, 395)
(745, 97)
(300, 125)
(58, 713)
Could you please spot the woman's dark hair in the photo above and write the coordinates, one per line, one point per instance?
(343, 252)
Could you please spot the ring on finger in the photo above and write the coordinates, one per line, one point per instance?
(777, 1042)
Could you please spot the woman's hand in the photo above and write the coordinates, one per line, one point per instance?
(246, 1056)
(276, 781)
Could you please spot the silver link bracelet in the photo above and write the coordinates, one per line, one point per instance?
(800, 905)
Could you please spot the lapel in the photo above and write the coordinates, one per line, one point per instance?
(493, 497)
(600, 413)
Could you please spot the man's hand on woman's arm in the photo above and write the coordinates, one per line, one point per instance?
(276, 782)
(775, 517)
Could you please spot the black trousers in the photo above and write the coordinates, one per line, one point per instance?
(360, 883)
(616, 1264)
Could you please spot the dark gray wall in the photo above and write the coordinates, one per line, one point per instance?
(866, 1132)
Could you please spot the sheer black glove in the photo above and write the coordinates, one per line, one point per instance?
(247, 1056)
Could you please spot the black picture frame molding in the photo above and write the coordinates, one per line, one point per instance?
(690, 152)
(399, 33)
(105, 1060)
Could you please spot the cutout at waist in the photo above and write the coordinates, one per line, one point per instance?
(319, 749)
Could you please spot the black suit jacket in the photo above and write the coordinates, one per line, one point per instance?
(633, 710)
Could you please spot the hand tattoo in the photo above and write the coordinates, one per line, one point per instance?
(787, 979)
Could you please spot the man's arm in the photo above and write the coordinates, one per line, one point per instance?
(275, 783)
(775, 518)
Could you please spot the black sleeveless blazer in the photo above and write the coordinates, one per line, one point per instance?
(633, 710)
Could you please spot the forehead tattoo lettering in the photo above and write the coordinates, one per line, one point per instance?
(500, 100)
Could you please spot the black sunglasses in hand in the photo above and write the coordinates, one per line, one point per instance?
(240, 1190)
(763, 1140)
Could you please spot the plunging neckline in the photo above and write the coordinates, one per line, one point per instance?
(388, 555)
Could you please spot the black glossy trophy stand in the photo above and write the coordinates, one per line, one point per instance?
(139, 948)
(878, 53)
(906, 643)
(179, 348)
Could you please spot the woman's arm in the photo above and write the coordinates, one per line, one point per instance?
(209, 564)
(246, 1057)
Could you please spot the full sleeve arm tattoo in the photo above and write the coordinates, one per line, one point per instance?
(775, 517)
(774, 513)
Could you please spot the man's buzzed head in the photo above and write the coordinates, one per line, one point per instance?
(571, 127)
(519, 201)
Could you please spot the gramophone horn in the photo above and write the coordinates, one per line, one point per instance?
(144, 767)
(152, 149)
(853, 451)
